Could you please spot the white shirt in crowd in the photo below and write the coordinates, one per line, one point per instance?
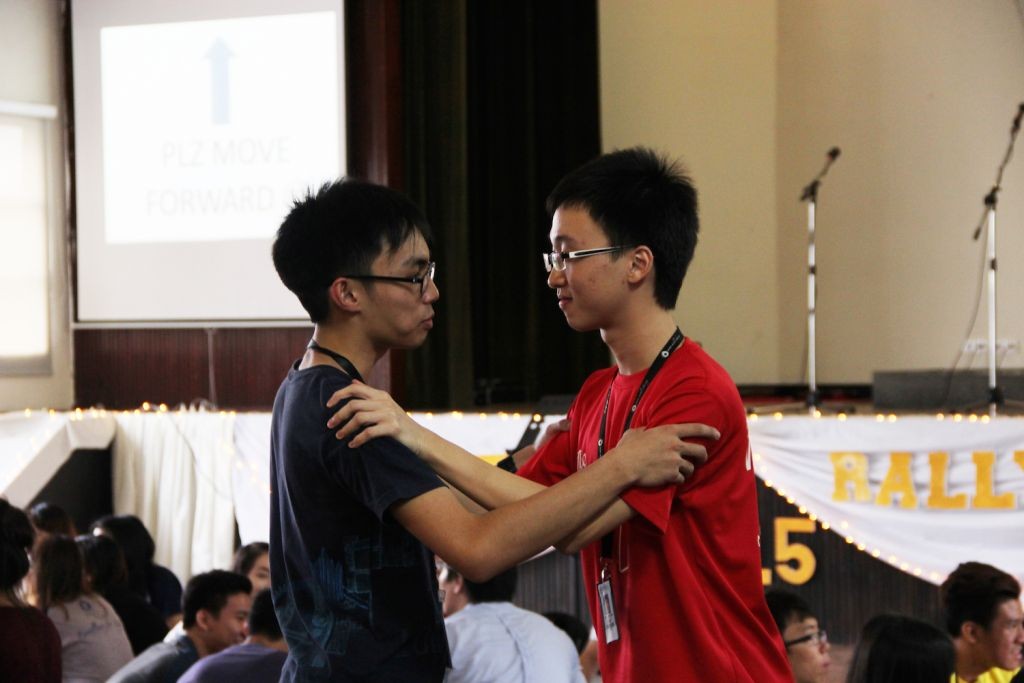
(497, 642)
(93, 641)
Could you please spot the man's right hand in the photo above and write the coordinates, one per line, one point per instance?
(370, 413)
(659, 455)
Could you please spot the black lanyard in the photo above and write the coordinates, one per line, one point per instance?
(671, 345)
(342, 362)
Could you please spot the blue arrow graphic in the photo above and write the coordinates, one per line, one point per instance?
(219, 54)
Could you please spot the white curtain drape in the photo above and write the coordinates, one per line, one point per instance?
(174, 471)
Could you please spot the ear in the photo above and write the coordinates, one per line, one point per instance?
(641, 265)
(970, 631)
(344, 295)
(203, 619)
(458, 585)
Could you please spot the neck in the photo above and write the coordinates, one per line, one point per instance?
(196, 637)
(10, 600)
(968, 668)
(360, 351)
(266, 641)
(635, 342)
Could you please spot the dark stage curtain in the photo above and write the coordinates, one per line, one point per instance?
(500, 100)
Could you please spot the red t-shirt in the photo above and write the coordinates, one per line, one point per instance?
(687, 567)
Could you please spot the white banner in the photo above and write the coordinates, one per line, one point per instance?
(922, 493)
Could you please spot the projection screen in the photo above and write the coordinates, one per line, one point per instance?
(196, 125)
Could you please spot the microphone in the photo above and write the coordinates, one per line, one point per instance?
(811, 191)
(993, 196)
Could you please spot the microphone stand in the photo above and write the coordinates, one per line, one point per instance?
(996, 400)
(810, 195)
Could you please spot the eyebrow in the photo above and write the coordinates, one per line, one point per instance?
(416, 261)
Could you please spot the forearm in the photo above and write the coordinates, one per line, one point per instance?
(488, 486)
(520, 529)
(491, 487)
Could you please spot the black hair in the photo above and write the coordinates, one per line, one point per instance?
(577, 631)
(639, 198)
(16, 538)
(210, 591)
(136, 544)
(262, 618)
(103, 561)
(973, 592)
(51, 519)
(340, 229)
(501, 588)
(246, 556)
(898, 649)
(787, 608)
(58, 577)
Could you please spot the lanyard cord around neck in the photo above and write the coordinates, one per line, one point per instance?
(671, 345)
(344, 363)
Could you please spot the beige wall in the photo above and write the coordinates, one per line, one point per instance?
(697, 80)
(919, 94)
(30, 68)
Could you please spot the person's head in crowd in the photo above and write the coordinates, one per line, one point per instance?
(806, 643)
(57, 575)
(216, 608)
(643, 204)
(103, 562)
(48, 518)
(264, 628)
(577, 631)
(351, 226)
(252, 561)
(982, 612)
(460, 591)
(16, 538)
(898, 649)
(136, 544)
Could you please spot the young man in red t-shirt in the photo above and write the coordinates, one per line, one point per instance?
(673, 575)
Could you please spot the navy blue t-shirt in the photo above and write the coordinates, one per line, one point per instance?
(355, 593)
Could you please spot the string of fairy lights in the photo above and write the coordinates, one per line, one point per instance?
(845, 529)
(258, 476)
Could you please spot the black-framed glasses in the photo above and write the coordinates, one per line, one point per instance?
(555, 260)
(423, 280)
(817, 638)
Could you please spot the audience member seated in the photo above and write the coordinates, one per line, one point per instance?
(93, 642)
(215, 607)
(577, 631)
(153, 582)
(29, 642)
(588, 658)
(252, 561)
(806, 643)
(898, 649)
(258, 660)
(106, 575)
(982, 611)
(49, 519)
(493, 641)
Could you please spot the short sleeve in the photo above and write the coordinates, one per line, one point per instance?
(380, 473)
(551, 463)
(682, 404)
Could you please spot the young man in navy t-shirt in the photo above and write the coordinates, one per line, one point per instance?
(354, 525)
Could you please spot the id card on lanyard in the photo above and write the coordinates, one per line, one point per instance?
(605, 597)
